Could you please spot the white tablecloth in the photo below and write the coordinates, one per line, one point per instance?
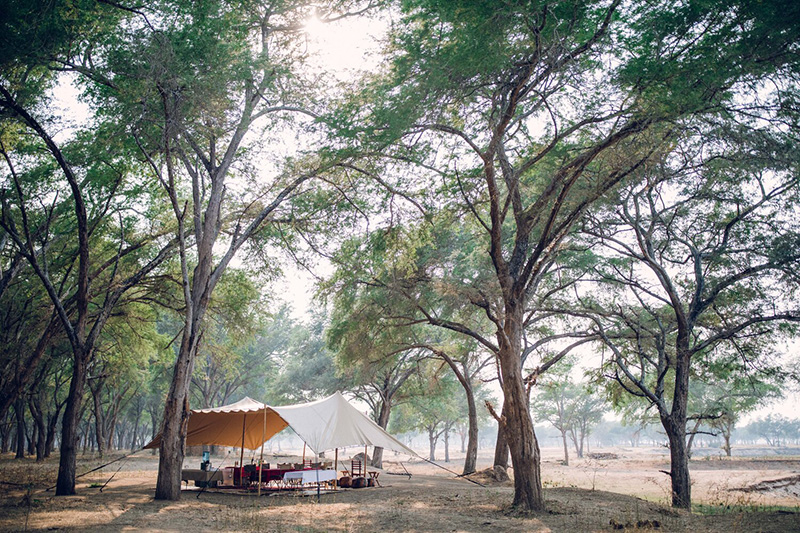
(311, 476)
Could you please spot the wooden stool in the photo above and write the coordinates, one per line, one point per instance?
(373, 477)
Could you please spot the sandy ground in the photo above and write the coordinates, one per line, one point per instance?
(623, 493)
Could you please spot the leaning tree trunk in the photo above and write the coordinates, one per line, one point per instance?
(690, 442)
(566, 450)
(463, 376)
(471, 459)
(65, 485)
(517, 423)
(19, 412)
(501, 445)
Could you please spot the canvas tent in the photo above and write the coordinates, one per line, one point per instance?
(323, 425)
(246, 423)
(334, 423)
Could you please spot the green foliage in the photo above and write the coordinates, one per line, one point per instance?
(438, 406)
(307, 370)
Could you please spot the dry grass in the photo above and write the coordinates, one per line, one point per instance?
(593, 495)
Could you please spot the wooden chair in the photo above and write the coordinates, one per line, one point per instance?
(356, 468)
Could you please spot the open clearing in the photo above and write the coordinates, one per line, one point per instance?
(589, 495)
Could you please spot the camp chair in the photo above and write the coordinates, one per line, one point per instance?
(248, 474)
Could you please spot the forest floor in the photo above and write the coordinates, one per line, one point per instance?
(619, 489)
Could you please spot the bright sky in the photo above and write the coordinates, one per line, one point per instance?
(345, 46)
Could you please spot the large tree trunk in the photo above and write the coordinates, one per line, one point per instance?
(176, 419)
(566, 452)
(65, 484)
(518, 425)
(675, 426)
(679, 466)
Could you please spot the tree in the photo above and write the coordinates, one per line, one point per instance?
(307, 368)
(373, 359)
(196, 83)
(29, 329)
(226, 361)
(376, 322)
(433, 413)
(587, 413)
(120, 273)
(719, 397)
(128, 347)
(570, 407)
(701, 256)
(553, 403)
(775, 429)
(524, 116)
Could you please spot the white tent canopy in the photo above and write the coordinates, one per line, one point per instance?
(334, 423)
(324, 425)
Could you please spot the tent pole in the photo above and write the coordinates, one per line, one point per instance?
(336, 461)
(316, 460)
(241, 454)
(365, 461)
(304, 455)
(261, 457)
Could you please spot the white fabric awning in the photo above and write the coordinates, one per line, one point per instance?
(334, 423)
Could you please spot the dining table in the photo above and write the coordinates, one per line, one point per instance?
(310, 476)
